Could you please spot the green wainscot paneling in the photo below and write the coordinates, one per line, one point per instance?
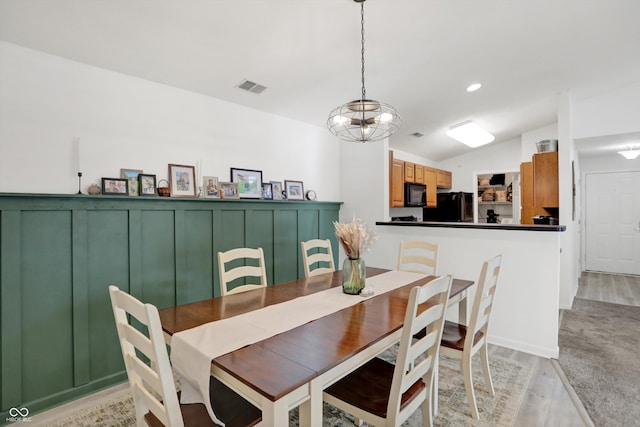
(59, 254)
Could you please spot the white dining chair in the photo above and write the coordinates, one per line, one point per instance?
(384, 394)
(152, 385)
(256, 273)
(317, 257)
(418, 256)
(462, 342)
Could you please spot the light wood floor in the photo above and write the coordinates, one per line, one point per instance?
(549, 401)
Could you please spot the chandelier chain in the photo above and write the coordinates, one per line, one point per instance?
(364, 91)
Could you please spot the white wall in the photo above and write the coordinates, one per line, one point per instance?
(127, 122)
(498, 157)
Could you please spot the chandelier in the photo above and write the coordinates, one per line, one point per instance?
(363, 119)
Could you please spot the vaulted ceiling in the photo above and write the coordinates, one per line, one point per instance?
(420, 54)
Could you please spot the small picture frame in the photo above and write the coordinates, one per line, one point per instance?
(131, 175)
(147, 185)
(229, 190)
(267, 191)
(294, 189)
(249, 182)
(115, 186)
(210, 186)
(276, 190)
(182, 180)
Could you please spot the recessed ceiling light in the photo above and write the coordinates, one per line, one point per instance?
(470, 133)
(473, 87)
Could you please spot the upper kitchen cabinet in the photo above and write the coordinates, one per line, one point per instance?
(430, 177)
(545, 180)
(418, 173)
(409, 172)
(443, 179)
(396, 182)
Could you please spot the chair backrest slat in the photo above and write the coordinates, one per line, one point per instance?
(320, 260)
(418, 256)
(228, 275)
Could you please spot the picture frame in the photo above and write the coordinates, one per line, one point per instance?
(276, 190)
(249, 182)
(267, 191)
(147, 185)
(229, 190)
(210, 187)
(182, 180)
(115, 186)
(131, 175)
(294, 189)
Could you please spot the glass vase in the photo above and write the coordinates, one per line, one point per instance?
(353, 275)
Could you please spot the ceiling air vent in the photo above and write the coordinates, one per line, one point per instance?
(417, 134)
(252, 87)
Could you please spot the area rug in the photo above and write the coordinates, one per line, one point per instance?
(510, 380)
(599, 349)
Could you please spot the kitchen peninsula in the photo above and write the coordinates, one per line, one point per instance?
(525, 313)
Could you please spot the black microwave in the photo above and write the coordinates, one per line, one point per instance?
(415, 195)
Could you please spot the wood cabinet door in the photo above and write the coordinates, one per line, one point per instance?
(409, 172)
(443, 179)
(430, 181)
(397, 183)
(419, 174)
(545, 180)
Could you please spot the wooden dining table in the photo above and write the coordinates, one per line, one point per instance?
(291, 369)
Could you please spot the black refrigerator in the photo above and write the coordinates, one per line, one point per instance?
(451, 207)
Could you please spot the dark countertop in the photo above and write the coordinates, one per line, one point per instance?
(473, 225)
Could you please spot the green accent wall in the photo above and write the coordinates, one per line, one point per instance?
(59, 254)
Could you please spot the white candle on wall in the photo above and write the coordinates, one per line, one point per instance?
(76, 146)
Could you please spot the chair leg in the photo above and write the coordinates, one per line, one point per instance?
(484, 357)
(427, 412)
(468, 385)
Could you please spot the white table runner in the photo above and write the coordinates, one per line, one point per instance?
(193, 350)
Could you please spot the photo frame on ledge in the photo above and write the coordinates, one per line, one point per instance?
(249, 182)
(294, 190)
(147, 185)
(276, 190)
(211, 187)
(182, 180)
(132, 176)
(229, 190)
(115, 186)
(267, 191)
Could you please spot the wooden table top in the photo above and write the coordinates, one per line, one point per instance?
(295, 357)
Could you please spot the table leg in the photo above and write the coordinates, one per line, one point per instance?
(311, 410)
(275, 414)
(463, 310)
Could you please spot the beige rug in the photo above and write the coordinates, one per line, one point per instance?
(510, 380)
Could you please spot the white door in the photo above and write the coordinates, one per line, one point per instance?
(612, 222)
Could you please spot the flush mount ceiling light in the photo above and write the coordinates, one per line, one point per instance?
(364, 119)
(629, 154)
(473, 87)
(470, 133)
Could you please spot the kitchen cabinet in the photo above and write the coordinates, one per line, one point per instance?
(401, 172)
(545, 180)
(418, 171)
(396, 183)
(443, 179)
(409, 172)
(430, 177)
(539, 194)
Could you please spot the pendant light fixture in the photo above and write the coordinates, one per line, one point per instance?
(363, 119)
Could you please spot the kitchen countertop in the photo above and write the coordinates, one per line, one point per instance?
(473, 225)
